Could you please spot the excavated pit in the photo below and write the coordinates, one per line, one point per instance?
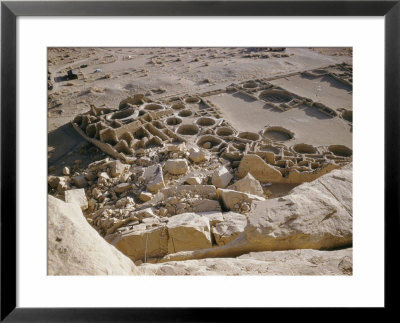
(224, 132)
(340, 150)
(304, 149)
(208, 142)
(188, 130)
(178, 106)
(250, 85)
(278, 134)
(347, 115)
(192, 100)
(205, 122)
(185, 113)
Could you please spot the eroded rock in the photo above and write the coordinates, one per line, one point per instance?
(260, 170)
(188, 231)
(221, 177)
(198, 155)
(75, 248)
(232, 225)
(142, 243)
(77, 197)
(248, 184)
(234, 200)
(176, 166)
(315, 215)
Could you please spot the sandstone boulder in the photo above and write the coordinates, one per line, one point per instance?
(176, 166)
(117, 168)
(248, 184)
(63, 185)
(214, 217)
(123, 187)
(75, 248)
(193, 181)
(232, 200)
(232, 225)
(205, 205)
(53, 181)
(142, 243)
(77, 197)
(103, 175)
(221, 177)
(154, 178)
(188, 231)
(145, 196)
(98, 165)
(259, 169)
(79, 181)
(197, 155)
(316, 215)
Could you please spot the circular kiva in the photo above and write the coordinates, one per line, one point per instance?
(278, 134)
(275, 96)
(304, 149)
(249, 136)
(153, 107)
(208, 141)
(224, 131)
(205, 122)
(340, 150)
(192, 99)
(347, 115)
(178, 106)
(188, 129)
(249, 85)
(185, 113)
(173, 121)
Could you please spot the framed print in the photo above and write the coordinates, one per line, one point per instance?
(202, 159)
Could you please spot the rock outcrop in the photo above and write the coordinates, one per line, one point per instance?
(75, 248)
(288, 263)
(257, 167)
(142, 243)
(188, 231)
(229, 228)
(77, 197)
(221, 177)
(315, 215)
(176, 166)
(248, 184)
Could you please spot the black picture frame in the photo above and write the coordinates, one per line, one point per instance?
(10, 10)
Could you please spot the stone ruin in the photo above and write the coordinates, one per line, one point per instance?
(182, 178)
